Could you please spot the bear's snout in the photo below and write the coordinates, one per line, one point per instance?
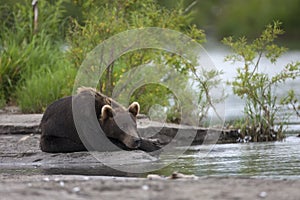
(132, 142)
(136, 143)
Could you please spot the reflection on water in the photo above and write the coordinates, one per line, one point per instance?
(273, 159)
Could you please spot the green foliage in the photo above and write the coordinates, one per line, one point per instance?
(256, 87)
(252, 16)
(19, 19)
(291, 101)
(153, 93)
(2, 100)
(110, 18)
(26, 56)
(20, 61)
(41, 89)
(208, 81)
(34, 70)
(237, 18)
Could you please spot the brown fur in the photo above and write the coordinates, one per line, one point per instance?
(59, 132)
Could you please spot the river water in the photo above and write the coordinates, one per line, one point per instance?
(271, 160)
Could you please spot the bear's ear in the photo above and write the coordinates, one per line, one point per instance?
(134, 108)
(106, 112)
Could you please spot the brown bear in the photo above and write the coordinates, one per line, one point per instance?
(92, 121)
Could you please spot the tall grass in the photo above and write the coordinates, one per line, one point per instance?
(41, 89)
(33, 68)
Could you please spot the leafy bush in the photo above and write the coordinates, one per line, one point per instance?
(257, 88)
(291, 101)
(110, 18)
(33, 64)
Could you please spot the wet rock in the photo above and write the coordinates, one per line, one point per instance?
(177, 175)
(84, 163)
(10, 110)
(229, 136)
(174, 175)
(19, 123)
(154, 177)
(26, 155)
(184, 135)
(164, 133)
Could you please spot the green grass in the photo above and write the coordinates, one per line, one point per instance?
(2, 100)
(41, 89)
(33, 69)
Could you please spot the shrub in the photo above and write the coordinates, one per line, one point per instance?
(110, 18)
(33, 64)
(292, 102)
(257, 88)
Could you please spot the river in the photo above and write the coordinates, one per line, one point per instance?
(272, 159)
(263, 160)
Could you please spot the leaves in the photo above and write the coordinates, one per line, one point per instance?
(256, 87)
(113, 17)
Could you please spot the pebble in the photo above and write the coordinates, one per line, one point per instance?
(154, 177)
(23, 139)
(61, 183)
(76, 189)
(263, 194)
(145, 187)
(46, 179)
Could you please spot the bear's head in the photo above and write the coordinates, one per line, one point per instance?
(120, 124)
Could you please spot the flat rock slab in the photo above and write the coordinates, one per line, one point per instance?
(19, 152)
(165, 132)
(19, 123)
